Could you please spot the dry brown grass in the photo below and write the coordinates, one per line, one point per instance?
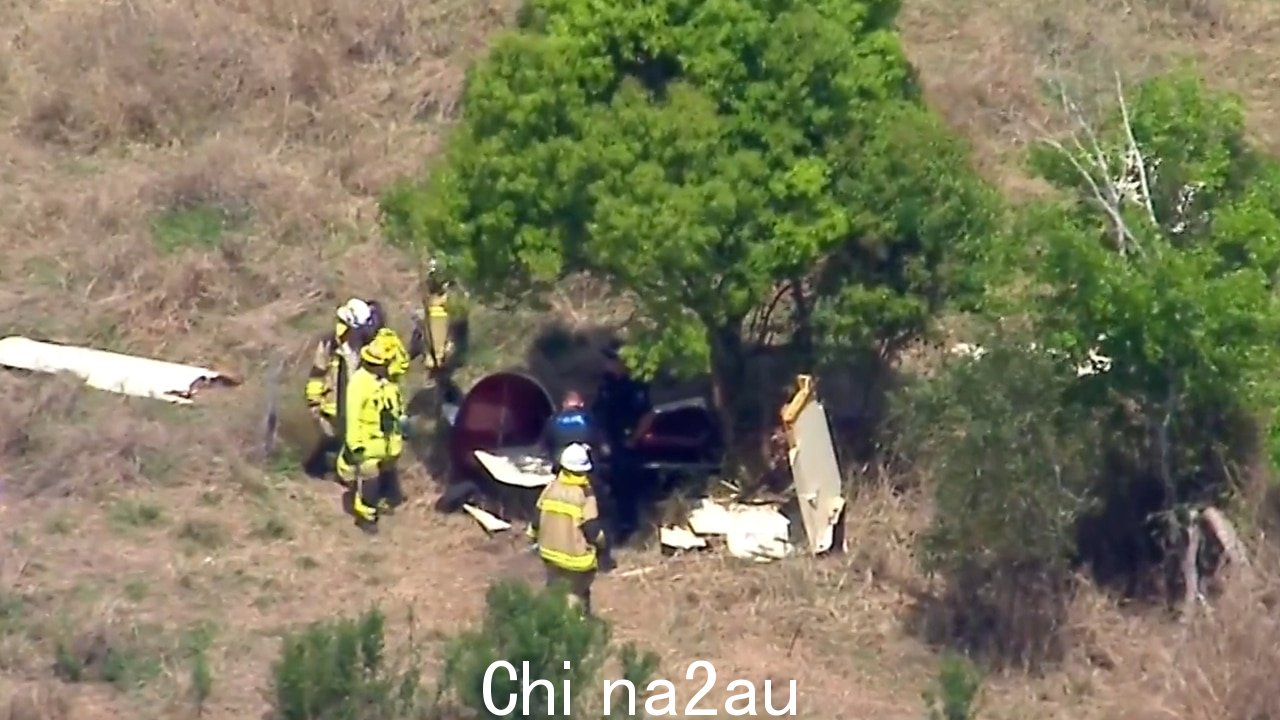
(197, 180)
(984, 63)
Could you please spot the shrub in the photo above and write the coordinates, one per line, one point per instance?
(520, 626)
(1010, 465)
(338, 670)
(955, 691)
(538, 627)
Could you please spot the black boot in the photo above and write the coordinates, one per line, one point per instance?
(392, 490)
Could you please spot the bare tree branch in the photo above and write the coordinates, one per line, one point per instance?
(1104, 188)
(762, 317)
(1137, 152)
(1124, 238)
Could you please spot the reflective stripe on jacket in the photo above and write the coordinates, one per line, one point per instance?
(373, 410)
(331, 362)
(563, 507)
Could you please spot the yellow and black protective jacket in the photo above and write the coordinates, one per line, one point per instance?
(332, 362)
(374, 407)
(567, 526)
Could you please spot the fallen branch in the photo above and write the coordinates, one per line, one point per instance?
(1225, 533)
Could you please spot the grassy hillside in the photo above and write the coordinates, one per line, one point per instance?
(198, 180)
(985, 64)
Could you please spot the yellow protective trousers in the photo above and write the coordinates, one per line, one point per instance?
(375, 485)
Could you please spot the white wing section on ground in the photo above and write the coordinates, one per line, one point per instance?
(112, 372)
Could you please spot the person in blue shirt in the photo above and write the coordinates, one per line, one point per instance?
(572, 424)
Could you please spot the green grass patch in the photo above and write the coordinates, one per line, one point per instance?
(136, 590)
(273, 528)
(204, 534)
(201, 227)
(13, 609)
(59, 525)
(136, 514)
(125, 660)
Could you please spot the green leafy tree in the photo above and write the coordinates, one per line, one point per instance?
(699, 154)
(1167, 266)
(926, 235)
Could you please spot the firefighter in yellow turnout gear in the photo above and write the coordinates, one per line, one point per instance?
(397, 367)
(374, 437)
(399, 364)
(567, 527)
(432, 334)
(335, 357)
(436, 343)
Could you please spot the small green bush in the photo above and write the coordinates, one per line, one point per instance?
(201, 681)
(127, 660)
(1008, 459)
(955, 690)
(338, 670)
(201, 227)
(522, 625)
(525, 625)
(197, 644)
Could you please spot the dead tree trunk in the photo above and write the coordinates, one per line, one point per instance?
(1191, 568)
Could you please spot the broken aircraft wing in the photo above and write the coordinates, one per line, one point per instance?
(112, 372)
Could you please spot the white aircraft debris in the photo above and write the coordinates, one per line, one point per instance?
(752, 532)
(815, 470)
(1096, 362)
(490, 522)
(680, 538)
(112, 372)
(522, 467)
(759, 533)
